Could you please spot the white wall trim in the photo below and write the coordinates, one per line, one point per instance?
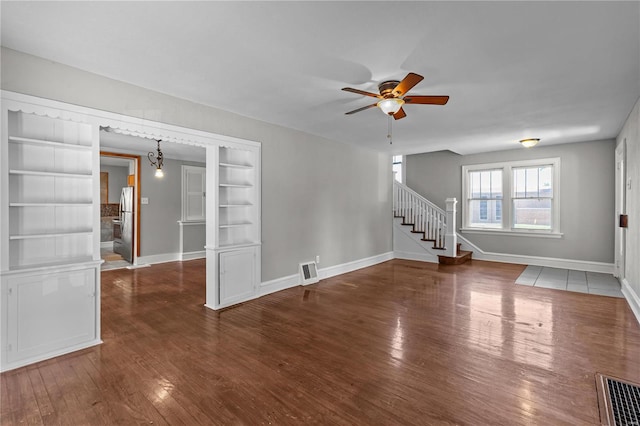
(42, 357)
(289, 281)
(158, 258)
(170, 257)
(632, 298)
(278, 284)
(421, 257)
(106, 244)
(201, 254)
(580, 265)
(332, 271)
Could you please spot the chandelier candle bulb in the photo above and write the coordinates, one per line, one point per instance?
(159, 160)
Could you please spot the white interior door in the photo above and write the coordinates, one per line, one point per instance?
(620, 233)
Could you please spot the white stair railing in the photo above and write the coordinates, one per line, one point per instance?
(425, 217)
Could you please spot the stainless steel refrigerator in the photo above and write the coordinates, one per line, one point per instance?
(124, 244)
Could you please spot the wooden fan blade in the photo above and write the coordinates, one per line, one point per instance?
(406, 84)
(361, 109)
(400, 114)
(361, 92)
(426, 100)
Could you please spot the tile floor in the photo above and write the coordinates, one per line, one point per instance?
(570, 280)
(112, 260)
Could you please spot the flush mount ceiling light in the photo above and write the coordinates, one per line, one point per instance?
(159, 159)
(391, 105)
(528, 143)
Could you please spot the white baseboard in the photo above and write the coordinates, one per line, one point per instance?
(632, 298)
(422, 257)
(42, 357)
(552, 262)
(193, 255)
(158, 258)
(106, 244)
(278, 284)
(170, 257)
(343, 268)
(289, 281)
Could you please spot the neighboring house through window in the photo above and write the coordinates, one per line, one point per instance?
(527, 192)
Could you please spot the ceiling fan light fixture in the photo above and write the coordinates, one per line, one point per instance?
(529, 143)
(390, 105)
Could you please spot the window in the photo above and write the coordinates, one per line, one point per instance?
(193, 194)
(532, 197)
(484, 197)
(397, 167)
(519, 197)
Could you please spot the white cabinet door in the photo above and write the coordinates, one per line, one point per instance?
(47, 313)
(237, 275)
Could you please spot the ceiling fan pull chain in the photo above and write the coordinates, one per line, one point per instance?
(389, 131)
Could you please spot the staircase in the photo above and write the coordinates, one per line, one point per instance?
(431, 227)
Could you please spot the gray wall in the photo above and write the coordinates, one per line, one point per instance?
(117, 181)
(631, 132)
(194, 238)
(586, 205)
(320, 197)
(159, 228)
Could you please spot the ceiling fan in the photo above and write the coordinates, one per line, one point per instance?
(393, 94)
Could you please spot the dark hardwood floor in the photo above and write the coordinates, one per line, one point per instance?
(400, 343)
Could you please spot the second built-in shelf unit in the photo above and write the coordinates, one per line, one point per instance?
(237, 198)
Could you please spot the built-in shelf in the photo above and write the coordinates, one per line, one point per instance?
(236, 185)
(238, 244)
(236, 166)
(49, 235)
(18, 139)
(56, 204)
(235, 225)
(50, 174)
(65, 262)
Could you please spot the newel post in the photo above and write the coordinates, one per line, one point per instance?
(450, 239)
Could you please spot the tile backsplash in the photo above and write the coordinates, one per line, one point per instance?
(108, 210)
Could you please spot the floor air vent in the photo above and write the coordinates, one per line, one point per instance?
(309, 273)
(619, 401)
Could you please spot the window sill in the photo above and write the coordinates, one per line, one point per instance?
(512, 233)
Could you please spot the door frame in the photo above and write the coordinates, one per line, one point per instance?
(137, 191)
(620, 208)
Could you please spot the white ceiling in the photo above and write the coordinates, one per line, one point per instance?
(559, 71)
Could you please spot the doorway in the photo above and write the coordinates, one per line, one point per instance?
(621, 208)
(119, 209)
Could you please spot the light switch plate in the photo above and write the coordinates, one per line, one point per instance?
(144, 200)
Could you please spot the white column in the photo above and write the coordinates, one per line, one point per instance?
(211, 200)
(450, 239)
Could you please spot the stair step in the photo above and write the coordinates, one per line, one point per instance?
(462, 257)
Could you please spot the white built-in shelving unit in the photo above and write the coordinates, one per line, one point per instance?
(49, 267)
(50, 222)
(237, 238)
(237, 211)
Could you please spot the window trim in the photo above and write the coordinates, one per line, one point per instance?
(507, 199)
(187, 216)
